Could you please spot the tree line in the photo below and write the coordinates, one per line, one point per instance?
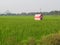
(31, 13)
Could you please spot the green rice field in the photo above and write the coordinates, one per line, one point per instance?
(17, 29)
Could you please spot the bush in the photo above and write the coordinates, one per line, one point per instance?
(53, 39)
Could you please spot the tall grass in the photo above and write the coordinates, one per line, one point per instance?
(14, 29)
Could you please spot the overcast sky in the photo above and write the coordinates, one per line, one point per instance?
(17, 6)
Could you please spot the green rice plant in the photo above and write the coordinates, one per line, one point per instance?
(19, 28)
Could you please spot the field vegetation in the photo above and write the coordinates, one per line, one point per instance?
(24, 30)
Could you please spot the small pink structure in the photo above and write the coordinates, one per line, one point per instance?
(38, 16)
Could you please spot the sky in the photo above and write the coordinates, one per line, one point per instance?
(18, 6)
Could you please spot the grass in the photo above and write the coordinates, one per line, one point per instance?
(14, 29)
(52, 39)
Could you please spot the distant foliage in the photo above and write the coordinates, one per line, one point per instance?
(8, 13)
